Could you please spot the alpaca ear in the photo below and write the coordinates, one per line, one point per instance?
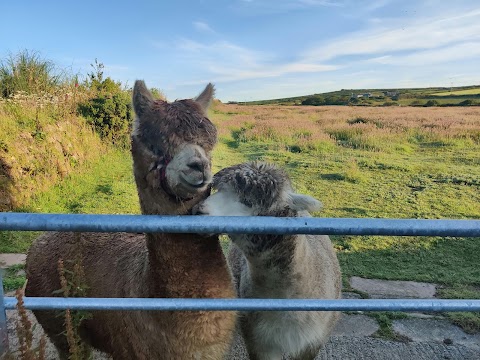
(302, 202)
(142, 98)
(206, 97)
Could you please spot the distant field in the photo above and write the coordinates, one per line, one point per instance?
(459, 92)
(377, 96)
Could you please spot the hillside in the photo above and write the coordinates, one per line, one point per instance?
(433, 96)
(51, 123)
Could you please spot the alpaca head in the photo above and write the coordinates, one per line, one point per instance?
(172, 143)
(254, 189)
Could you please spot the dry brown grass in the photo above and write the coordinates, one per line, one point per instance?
(24, 331)
(370, 128)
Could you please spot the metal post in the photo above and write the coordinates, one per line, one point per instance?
(3, 321)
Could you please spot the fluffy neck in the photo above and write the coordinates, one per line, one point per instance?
(183, 265)
(265, 251)
(187, 266)
(158, 202)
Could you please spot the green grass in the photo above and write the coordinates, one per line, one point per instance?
(385, 322)
(105, 186)
(13, 278)
(458, 92)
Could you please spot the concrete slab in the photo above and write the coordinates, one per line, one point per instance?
(366, 348)
(440, 331)
(419, 315)
(355, 325)
(386, 289)
(7, 260)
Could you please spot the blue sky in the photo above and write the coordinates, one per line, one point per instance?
(255, 49)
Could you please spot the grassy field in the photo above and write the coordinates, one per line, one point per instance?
(394, 162)
(458, 92)
(381, 163)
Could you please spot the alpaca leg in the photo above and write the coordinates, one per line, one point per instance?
(52, 324)
(254, 353)
(265, 355)
(308, 354)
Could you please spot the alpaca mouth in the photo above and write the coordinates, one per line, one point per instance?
(193, 183)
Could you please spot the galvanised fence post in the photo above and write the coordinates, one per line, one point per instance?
(3, 321)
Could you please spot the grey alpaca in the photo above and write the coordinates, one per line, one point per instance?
(276, 266)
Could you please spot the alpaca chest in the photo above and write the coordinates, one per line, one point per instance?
(288, 331)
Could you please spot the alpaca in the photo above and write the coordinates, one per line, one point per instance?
(171, 147)
(276, 266)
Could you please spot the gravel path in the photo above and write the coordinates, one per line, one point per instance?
(351, 340)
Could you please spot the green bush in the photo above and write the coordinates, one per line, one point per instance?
(431, 103)
(468, 102)
(109, 111)
(390, 103)
(111, 116)
(314, 100)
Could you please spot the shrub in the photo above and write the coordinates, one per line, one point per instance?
(468, 102)
(359, 120)
(431, 103)
(390, 103)
(314, 100)
(111, 116)
(240, 134)
(110, 109)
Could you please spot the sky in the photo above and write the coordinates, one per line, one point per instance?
(254, 49)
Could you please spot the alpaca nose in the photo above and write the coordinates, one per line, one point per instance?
(199, 170)
(197, 165)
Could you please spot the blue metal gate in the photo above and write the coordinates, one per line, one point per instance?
(251, 225)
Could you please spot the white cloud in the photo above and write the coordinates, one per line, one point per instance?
(425, 34)
(219, 52)
(202, 26)
(266, 71)
(432, 56)
(228, 62)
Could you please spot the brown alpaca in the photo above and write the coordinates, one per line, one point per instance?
(276, 266)
(171, 146)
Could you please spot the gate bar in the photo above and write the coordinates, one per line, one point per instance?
(3, 319)
(168, 304)
(238, 225)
